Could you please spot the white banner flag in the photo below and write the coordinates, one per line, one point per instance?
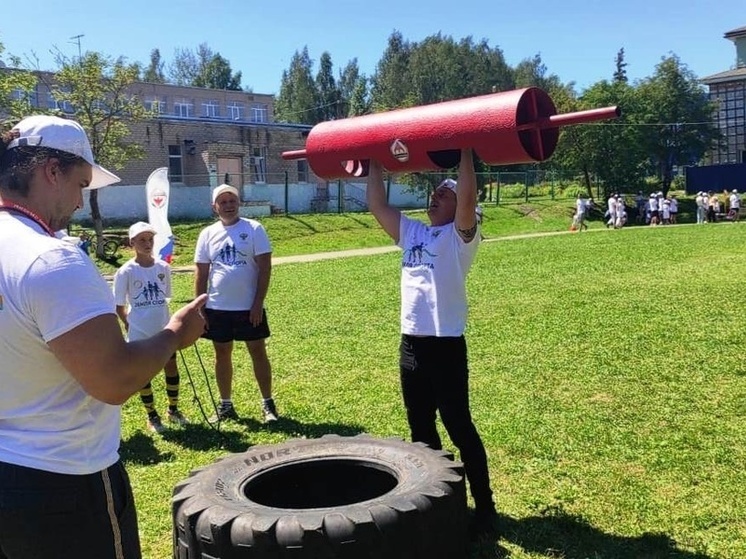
(157, 192)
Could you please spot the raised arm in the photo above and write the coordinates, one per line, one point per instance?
(375, 194)
(466, 203)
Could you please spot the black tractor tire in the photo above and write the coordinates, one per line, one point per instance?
(334, 497)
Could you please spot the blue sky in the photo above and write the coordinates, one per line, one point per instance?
(578, 40)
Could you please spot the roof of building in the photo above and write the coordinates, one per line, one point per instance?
(734, 33)
(735, 75)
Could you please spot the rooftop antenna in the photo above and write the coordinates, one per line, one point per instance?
(76, 39)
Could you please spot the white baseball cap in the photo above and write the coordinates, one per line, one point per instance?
(140, 227)
(448, 183)
(222, 189)
(64, 135)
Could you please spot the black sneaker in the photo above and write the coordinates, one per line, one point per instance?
(483, 523)
(225, 411)
(155, 424)
(269, 410)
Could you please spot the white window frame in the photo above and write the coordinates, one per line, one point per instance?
(176, 159)
(236, 110)
(258, 164)
(155, 105)
(211, 109)
(259, 113)
(183, 108)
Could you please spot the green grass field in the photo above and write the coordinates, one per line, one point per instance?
(607, 380)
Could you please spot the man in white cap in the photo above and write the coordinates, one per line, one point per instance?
(66, 368)
(433, 365)
(234, 263)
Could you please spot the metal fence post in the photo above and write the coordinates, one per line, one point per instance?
(287, 194)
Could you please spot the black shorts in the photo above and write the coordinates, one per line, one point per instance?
(227, 326)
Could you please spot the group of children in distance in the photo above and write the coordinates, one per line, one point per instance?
(616, 213)
(657, 209)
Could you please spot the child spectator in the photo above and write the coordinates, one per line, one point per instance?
(142, 287)
(666, 211)
(674, 208)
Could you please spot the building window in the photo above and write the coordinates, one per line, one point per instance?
(52, 103)
(155, 105)
(302, 170)
(182, 107)
(258, 163)
(175, 169)
(30, 95)
(211, 109)
(236, 111)
(258, 113)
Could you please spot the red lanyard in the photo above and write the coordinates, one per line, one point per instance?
(11, 207)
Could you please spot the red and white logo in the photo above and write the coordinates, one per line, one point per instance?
(399, 151)
(158, 199)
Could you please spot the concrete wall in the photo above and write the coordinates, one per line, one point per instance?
(126, 203)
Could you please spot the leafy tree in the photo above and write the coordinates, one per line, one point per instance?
(298, 100)
(613, 151)
(353, 90)
(359, 103)
(154, 72)
(679, 117)
(532, 72)
(203, 68)
(97, 88)
(16, 88)
(620, 73)
(329, 95)
(484, 68)
(390, 85)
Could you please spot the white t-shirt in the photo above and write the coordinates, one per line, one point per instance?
(145, 291)
(435, 262)
(666, 209)
(230, 251)
(47, 288)
(674, 203)
(735, 201)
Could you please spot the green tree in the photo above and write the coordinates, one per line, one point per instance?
(298, 100)
(16, 89)
(98, 90)
(678, 116)
(203, 68)
(620, 73)
(390, 85)
(330, 105)
(154, 72)
(353, 90)
(359, 103)
(613, 151)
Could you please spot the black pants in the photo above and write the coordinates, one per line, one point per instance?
(435, 379)
(45, 515)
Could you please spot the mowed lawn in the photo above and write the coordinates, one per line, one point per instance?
(607, 380)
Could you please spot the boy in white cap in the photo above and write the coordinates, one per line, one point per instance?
(142, 288)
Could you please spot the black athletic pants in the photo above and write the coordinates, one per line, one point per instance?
(44, 515)
(435, 379)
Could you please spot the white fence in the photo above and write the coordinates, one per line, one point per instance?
(127, 203)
